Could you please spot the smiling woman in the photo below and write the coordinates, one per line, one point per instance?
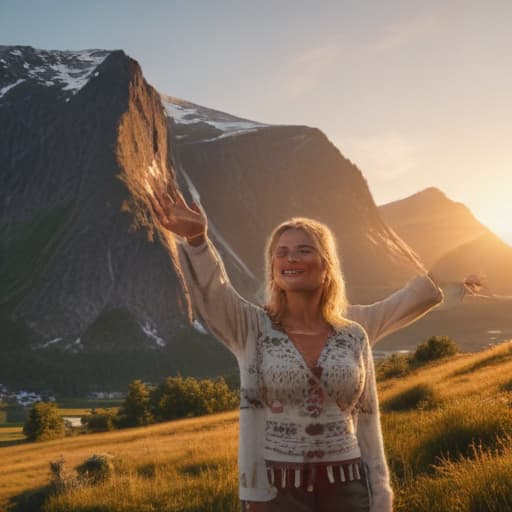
(310, 436)
(301, 257)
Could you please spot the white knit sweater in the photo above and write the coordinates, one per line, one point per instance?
(245, 328)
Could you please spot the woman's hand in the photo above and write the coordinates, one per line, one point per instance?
(474, 283)
(174, 214)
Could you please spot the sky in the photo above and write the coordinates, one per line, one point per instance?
(415, 93)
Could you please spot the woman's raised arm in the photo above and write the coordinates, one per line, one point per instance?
(175, 215)
(215, 302)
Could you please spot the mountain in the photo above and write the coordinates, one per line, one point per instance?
(90, 294)
(450, 240)
(431, 223)
(251, 176)
(79, 289)
(69, 257)
(487, 255)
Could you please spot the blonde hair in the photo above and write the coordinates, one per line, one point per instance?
(334, 300)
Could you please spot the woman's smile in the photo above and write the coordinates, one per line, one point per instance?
(292, 272)
(297, 265)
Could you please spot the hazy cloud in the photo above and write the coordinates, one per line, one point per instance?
(383, 156)
(405, 32)
(308, 70)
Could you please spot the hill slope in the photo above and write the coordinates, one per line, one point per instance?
(172, 466)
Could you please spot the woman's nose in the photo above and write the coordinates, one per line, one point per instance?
(293, 256)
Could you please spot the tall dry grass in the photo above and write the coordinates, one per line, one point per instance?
(454, 455)
(171, 466)
(480, 482)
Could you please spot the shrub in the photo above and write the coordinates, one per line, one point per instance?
(44, 422)
(60, 477)
(421, 396)
(100, 420)
(436, 347)
(97, 468)
(396, 365)
(506, 386)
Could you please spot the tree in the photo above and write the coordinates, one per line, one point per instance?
(136, 411)
(177, 397)
(44, 422)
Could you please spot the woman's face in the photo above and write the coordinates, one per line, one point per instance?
(296, 263)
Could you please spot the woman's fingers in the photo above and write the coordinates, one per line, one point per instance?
(475, 279)
(172, 212)
(475, 283)
(158, 210)
(181, 200)
(198, 209)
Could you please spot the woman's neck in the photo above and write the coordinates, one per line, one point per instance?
(303, 311)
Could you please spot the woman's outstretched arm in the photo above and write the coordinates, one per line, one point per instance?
(401, 308)
(414, 300)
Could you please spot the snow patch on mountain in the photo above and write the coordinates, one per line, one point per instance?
(187, 113)
(194, 193)
(67, 70)
(46, 344)
(7, 88)
(213, 229)
(152, 333)
(75, 346)
(199, 327)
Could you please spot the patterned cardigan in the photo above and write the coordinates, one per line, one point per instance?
(243, 327)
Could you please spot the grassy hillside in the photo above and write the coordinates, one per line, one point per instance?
(447, 429)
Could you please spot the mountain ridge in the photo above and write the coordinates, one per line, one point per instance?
(449, 238)
(87, 278)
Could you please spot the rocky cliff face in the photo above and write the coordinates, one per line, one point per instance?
(71, 260)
